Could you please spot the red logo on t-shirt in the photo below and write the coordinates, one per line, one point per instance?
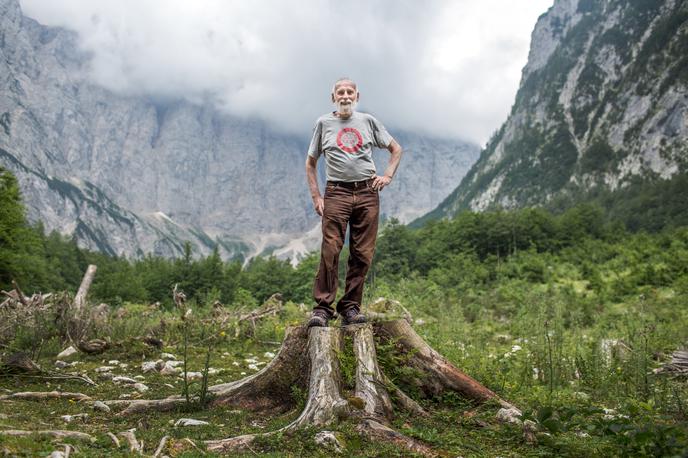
(349, 140)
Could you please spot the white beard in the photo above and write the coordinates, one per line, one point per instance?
(346, 109)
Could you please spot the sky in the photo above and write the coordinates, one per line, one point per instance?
(448, 68)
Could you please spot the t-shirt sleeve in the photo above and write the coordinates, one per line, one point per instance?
(315, 148)
(381, 137)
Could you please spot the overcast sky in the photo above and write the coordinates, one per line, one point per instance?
(449, 68)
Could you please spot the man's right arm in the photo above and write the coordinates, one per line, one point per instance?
(312, 177)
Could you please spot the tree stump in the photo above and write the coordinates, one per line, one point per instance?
(309, 360)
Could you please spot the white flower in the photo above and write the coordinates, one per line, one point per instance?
(515, 348)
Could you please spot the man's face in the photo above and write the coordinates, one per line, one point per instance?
(345, 97)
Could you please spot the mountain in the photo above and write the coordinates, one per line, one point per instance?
(129, 175)
(601, 112)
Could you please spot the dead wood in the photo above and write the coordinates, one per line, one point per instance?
(43, 395)
(677, 366)
(439, 374)
(269, 389)
(80, 298)
(370, 386)
(161, 446)
(114, 439)
(308, 358)
(19, 363)
(271, 307)
(134, 445)
(404, 401)
(376, 431)
(20, 295)
(93, 346)
(47, 376)
(325, 404)
(57, 433)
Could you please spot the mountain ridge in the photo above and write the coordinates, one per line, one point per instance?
(603, 101)
(175, 171)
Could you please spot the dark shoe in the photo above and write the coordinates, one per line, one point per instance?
(352, 316)
(318, 319)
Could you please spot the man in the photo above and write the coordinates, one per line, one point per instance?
(346, 138)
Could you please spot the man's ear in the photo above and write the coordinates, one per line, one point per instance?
(332, 96)
(358, 96)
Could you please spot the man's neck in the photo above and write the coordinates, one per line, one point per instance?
(343, 115)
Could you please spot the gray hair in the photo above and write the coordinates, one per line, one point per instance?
(343, 79)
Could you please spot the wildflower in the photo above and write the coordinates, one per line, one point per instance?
(222, 334)
(515, 348)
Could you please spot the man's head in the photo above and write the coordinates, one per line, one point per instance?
(345, 96)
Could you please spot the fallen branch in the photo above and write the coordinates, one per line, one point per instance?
(43, 395)
(376, 431)
(20, 294)
(58, 433)
(161, 446)
(193, 444)
(83, 378)
(134, 445)
(114, 439)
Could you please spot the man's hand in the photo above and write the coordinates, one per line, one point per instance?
(312, 178)
(319, 205)
(380, 182)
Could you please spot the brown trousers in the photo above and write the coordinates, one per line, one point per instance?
(358, 206)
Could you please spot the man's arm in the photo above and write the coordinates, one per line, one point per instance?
(312, 178)
(380, 182)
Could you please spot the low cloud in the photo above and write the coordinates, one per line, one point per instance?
(448, 68)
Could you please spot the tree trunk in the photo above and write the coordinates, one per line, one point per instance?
(308, 359)
(439, 374)
(80, 298)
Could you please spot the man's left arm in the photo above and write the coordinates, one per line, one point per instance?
(380, 182)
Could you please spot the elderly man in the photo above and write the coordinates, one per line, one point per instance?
(346, 138)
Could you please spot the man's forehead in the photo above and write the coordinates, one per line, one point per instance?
(347, 83)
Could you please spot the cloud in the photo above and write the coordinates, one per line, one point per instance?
(448, 68)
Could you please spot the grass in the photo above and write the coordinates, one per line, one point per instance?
(537, 345)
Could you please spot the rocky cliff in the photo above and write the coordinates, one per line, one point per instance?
(602, 105)
(130, 175)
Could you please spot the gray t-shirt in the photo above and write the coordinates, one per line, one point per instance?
(348, 145)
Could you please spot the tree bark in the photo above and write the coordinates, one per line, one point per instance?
(324, 405)
(369, 382)
(309, 359)
(439, 374)
(80, 298)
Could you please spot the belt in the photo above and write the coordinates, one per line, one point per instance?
(351, 184)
